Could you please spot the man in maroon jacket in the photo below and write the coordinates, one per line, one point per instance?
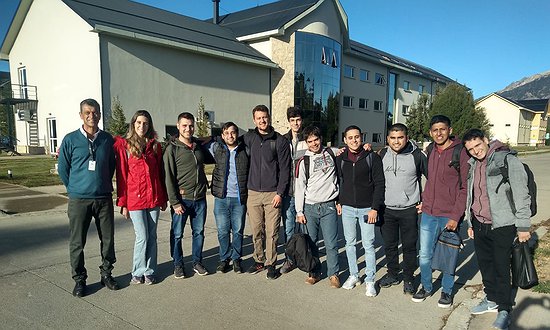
(443, 203)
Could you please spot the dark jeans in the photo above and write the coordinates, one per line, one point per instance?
(493, 250)
(404, 222)
(80, 212)
(323, 216)
(196, 212)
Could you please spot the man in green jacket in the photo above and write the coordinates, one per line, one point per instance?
(186, 184)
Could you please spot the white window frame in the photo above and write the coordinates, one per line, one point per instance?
(380, 106)
(346, 67)
(406, 85)
(421, 89)
(380, 79)
(367, 73)
(350, 98)
(405, 110)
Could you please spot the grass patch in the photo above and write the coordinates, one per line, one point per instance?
(542, 260)
(29, 172)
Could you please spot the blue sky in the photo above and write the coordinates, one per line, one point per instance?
(483, 44)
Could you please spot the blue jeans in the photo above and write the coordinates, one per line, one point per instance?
(229, 214)
(288, 212)
(430, 228)
(196, 211)
(324, 215)
(350, 217)
(145, 248)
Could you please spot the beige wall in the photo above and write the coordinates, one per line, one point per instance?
(168, 81)
(410, 96)
(61, 56)
(369, 121)
(504, 118)
(282, 81)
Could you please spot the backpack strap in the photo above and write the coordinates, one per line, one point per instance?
(417, 156)
(383, 152)
(368, 159)
(506, 179)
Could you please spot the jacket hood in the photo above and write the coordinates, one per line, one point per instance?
(270, 135)
(408, 149)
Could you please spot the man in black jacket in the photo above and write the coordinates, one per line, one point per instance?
(267, 183)
(362, 187)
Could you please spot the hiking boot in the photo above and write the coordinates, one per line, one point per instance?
(272, 272)
(199, 269)
(287, 267)
(150, 279)
(312, 279)
(502, 321)
(79, 289)
(408, 287)
(136, 280)
(445, 301)
(388, 280)
(485, 306)
(421, 295)
(256, 268)
(237, 268)
(109, 282)
(223, 266)
(334, 281)
(351, 282)
(179, 271)
(370, 289)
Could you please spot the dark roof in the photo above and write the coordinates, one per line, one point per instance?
(143, 19)
(381, 55)
(535, 105)
(263, 18)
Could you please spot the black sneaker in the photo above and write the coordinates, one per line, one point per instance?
(272, 273)
(79, 289)
(421, 295)
(199, 269)
(256, 268)
(109, 282)
(388, 280)
(223, 266)
(445, 301)
(408, 287)
(179, 271)
(237, 268)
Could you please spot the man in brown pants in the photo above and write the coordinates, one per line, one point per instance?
(267, 183)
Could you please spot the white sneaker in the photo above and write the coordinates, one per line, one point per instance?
(371, 289)
(351, 282)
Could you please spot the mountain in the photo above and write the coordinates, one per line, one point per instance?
(535, 87)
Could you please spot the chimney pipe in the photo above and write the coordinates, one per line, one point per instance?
(216, 15)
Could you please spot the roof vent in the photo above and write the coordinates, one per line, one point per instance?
(216, 8)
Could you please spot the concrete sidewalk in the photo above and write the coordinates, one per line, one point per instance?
(36, 285)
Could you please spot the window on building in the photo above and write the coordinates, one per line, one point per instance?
(364, 75)
(508, 125)
(376, 137)
(405, 110)
(349, 71)
(363, 104)
(378, 106)
(348, 101)
(420, 89)
(380, 79)
(406, 85)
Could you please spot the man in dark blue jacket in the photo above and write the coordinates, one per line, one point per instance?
(86, 166)
(268, 181)
(230, 191)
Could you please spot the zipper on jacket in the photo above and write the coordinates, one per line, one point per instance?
(197, 170)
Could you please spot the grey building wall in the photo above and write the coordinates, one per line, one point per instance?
(167, 81)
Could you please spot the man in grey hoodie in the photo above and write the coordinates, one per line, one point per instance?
(492, 222)
(316, 191)
(404, 164)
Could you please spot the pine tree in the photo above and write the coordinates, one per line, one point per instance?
(116, 125)
(419, 119)
(202, 120)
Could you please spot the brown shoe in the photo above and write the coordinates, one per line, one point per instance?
(312, 280)
(334, 282)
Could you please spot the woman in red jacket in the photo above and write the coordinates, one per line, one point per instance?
(141, 191)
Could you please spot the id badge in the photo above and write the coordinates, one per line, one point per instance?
(91, 165)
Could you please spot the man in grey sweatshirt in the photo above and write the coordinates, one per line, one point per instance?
(404, 164)
(316, 191)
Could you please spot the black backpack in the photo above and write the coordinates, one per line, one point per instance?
(455, 160)
(531, 186)
(303, 251)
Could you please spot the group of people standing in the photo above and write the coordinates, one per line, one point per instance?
(295, 180)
